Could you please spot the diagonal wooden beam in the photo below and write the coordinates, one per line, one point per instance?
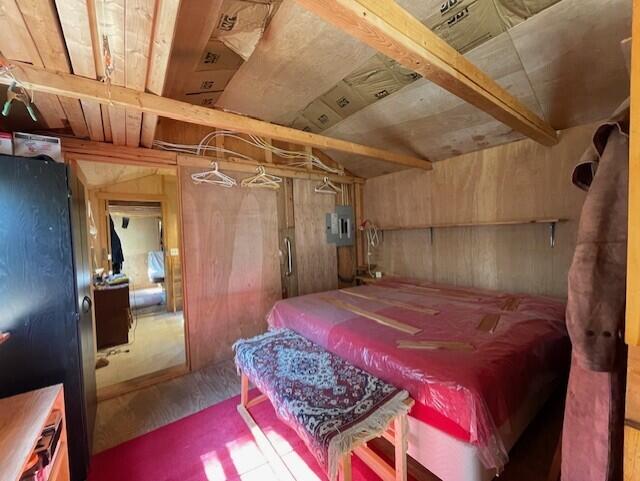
(390, 29)
(73, 86)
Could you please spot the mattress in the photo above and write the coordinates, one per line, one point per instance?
(467, 394)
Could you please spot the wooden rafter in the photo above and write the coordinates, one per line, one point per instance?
(390, 29)
(120, 97)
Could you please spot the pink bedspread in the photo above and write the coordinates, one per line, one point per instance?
(467, 394)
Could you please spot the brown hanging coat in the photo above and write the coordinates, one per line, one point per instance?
(592, 443)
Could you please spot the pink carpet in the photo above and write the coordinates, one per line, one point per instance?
(214, 444)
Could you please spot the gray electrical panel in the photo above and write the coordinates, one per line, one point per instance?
(341, 229)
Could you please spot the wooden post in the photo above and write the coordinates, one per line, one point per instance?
(244, 389)
(632, 329)
(345, 468)
(399, 428)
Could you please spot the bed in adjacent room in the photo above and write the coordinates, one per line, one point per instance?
(479, 363)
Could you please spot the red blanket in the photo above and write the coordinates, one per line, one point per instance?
(495, 348)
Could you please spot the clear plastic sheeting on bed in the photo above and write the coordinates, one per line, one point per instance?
(469, 357)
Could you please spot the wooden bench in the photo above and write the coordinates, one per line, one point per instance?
(395, 431)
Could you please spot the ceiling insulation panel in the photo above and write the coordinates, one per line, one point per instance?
(299, 58)
(574, 73)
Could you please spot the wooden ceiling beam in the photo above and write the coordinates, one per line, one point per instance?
(120, 97)
(391, 30)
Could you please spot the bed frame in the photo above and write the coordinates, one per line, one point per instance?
(394, 434)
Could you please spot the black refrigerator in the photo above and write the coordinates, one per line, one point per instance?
(45, 302)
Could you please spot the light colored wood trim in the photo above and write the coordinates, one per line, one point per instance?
(245, 166)
(632, 330)
(472, 224)
(388, 302)
(244, 390)
(388, 28)
(183, 266)
(345, 468)
(376, 463)
(400, 444)
(67, 85)
(76, 149)
(123, 152)
(380, 319)
(256, 400)
(141, 382)
(131, 197)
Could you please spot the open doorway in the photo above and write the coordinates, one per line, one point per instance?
(137, 288)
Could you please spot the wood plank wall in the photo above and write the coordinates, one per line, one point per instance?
(520, 180)
(232, 265)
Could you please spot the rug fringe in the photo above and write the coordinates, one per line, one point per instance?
(371, 427)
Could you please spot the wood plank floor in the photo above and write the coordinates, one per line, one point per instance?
(156, 343)
(139, 412)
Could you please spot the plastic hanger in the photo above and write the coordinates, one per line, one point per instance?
(262, 180)
(328, 187)
(214, 176)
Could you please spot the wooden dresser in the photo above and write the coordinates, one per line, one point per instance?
(22, 420)
(113, 315)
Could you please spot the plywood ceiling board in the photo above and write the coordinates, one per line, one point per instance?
(196, 20)
(571, 53)
(426, 120)
(299, 58)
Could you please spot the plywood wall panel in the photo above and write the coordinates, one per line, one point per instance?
(231, 265)
(316, 260)
(522, 180)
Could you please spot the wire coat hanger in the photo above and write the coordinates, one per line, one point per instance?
(328, 187)
(262, 180)
(214, 176)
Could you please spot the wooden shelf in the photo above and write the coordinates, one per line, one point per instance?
(473, 224)
(22, 419)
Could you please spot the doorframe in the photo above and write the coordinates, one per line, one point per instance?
(166, 374)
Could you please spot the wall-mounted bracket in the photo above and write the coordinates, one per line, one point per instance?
(552, 234)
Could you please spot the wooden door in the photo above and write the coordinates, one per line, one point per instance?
(231, 265)
(316, 260)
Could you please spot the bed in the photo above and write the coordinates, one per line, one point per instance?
(479, 363)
